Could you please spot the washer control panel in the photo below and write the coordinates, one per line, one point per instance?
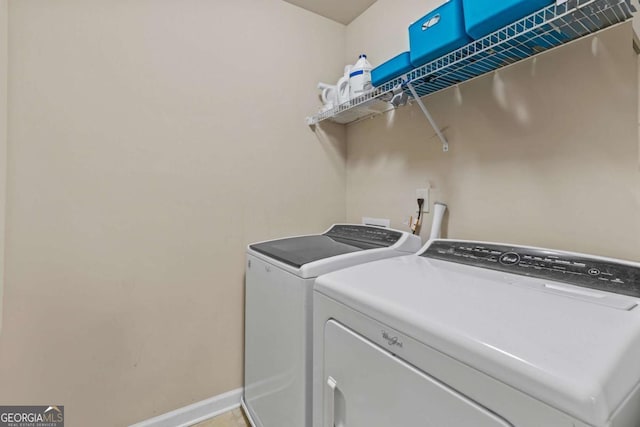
(617, 277)
(364, 233)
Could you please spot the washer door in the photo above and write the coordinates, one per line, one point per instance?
(366, 386)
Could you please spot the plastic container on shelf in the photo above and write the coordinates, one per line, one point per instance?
(483, 17)
(395, 67)
(438, 33)
(343, 90)
(360, 77)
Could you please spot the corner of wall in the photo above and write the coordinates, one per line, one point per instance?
(382, 30)
(638, 104)
(4, 48)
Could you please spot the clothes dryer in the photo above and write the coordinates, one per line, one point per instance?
(479, 334)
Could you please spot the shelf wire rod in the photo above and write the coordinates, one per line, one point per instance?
(615, 14)
(445, 143)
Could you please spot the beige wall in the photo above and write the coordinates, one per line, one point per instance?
(149, 142)
(382, 30)
(3, 138)
(544, 152)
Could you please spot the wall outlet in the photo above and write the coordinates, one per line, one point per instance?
(423, 193)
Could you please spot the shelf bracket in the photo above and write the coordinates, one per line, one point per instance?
(445, 143)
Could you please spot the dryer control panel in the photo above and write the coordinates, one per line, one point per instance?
(579, 270)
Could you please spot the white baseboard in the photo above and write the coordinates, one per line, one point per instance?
(197, 412)
(247, 412)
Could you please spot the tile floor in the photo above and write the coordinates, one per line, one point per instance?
(233, 418)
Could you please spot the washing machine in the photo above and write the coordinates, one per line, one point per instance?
(278, 313)
(479, 334)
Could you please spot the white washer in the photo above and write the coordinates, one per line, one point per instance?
(478, 334)
(278, 313)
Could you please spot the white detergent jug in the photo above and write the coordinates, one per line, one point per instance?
(360, 77)
(329, 95)
(343, 90)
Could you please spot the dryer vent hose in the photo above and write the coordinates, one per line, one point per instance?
(439, 210)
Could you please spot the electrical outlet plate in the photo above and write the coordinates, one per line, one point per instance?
(423, 193)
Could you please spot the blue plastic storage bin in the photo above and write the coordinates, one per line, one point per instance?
(483, 17)
(395, 67)
(437, 33)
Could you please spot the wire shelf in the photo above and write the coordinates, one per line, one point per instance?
(550, 27)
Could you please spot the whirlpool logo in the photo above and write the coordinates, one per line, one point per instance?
(391, 340)
(32, 416)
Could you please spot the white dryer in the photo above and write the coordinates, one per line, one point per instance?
(278, 313)
(479, 334)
